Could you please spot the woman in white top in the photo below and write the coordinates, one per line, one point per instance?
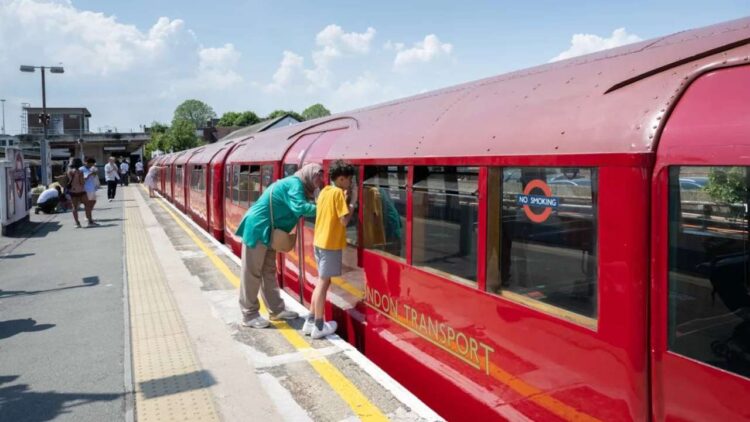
(150, 180)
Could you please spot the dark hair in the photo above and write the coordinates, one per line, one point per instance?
(77, 163)
(90, 160)
(340, 168)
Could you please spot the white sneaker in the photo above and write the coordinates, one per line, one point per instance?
(307, 327)
(257, 322)
(329, 327)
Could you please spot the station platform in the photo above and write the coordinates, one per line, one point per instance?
(138, 319)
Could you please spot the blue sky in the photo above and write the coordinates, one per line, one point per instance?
(133, 62)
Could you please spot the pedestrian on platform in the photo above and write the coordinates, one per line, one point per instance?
(111, 176)
(150, 180)
(335, 208)
(139, 171)
(48, 200)
(125, 172)
(90, 185)
(76, 187)
(265, 225)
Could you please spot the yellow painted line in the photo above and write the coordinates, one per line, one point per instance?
(362, 407)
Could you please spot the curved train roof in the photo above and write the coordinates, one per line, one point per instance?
(608, 102)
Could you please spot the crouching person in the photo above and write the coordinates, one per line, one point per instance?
(48, 200)
(280, 207)
(335, 209)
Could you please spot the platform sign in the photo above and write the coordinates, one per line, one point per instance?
(14, 186)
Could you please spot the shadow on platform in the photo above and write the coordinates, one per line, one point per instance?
(20, 403)
(16, 256)
(15, 326)
(34, 229)
(87, 282)
(195, 380)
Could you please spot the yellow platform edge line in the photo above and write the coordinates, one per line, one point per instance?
(358, 402)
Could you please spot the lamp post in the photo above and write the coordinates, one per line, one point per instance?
(3, 102)
(44, 117)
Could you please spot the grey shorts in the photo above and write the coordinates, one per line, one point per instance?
(329, 262)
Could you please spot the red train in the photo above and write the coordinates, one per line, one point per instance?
(564, 242)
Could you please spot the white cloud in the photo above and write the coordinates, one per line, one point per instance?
(333, 38)
(423, 51)
(291, 67)
(582, 44)
(109, 63)
(333, 43)
(393, 46)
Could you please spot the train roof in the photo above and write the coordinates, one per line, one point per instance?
(614, 101)
(270, 145)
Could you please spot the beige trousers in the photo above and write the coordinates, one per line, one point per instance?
(259, 273)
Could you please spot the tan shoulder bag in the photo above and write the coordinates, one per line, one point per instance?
(281, 241)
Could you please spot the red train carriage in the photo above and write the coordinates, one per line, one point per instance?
(170, 179)
(565, 242)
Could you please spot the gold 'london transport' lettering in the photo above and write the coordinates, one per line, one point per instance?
(459, 344)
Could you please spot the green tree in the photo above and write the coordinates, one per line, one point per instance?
(315, 111)
(727, 185)
(276, 113)
(182, 135)
(228, 119)
(194, 111)
(246, 118)
(158, 141)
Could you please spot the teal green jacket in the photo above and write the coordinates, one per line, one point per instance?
(289, 205)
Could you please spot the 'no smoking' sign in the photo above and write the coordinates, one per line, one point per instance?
(532, 202)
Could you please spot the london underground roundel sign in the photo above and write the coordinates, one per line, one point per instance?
(537, 196)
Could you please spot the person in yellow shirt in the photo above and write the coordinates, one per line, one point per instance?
(334, 210)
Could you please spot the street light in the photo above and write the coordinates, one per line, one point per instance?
(3, 102)
(43, 145)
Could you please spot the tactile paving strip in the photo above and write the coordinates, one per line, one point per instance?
(169, 383)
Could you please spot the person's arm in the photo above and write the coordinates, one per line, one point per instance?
(343, 208)
(298, 202)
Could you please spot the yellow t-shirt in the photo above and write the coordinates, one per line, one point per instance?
(329, 232)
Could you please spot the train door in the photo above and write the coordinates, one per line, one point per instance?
(292, 265)
(700, 283)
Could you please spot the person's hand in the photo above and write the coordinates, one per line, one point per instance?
(353, 196)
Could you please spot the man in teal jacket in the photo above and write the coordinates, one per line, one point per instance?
(291, 197)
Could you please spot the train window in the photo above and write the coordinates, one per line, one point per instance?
(290, 169)
(384, 209)
(227, 182)
(254, 184)
(542, 238)
(243, 186)
(709, 269)
(444, 233)
(197, 181)
(235, 184)
(266, 175)
(178, 177)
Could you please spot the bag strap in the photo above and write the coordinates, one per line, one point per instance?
(270, 204)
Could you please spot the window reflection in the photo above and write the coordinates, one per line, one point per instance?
(445, 220)
(542, 236)
(384, 212)
(709, 299)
